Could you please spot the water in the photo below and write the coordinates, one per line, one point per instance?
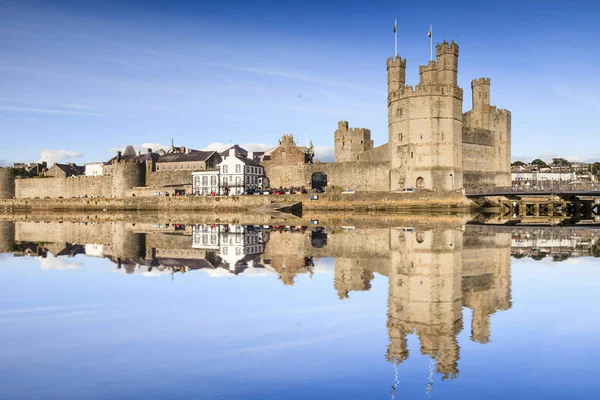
(139, 310)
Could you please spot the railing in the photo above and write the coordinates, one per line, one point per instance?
(552, 187)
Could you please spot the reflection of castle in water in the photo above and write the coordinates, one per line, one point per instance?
(432, 274)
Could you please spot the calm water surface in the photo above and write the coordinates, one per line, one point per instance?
(163, 311)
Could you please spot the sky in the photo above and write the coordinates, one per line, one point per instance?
(79, 80)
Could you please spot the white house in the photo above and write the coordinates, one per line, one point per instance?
(236, 174)
(93, 169)
(539, 178)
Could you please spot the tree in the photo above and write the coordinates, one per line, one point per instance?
(517, 164)
(539, 163)
(596, 169)
(560, 162)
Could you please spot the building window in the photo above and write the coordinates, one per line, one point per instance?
(175, 166)
(169, 167)
(194, 165)
(224, 169)
(188, 166)
(237, 169)
(204, 180)
(181, 166)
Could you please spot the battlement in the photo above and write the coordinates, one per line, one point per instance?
(397, 62)
(345, 130)
(426, 90)
(446, 48)
(480, 81)
(287, 140)
(499, 111)
(431, 66)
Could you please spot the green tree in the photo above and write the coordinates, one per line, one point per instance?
(539, 163)
(560, 162)
(596, 169)
(595, 249)
(517, 164)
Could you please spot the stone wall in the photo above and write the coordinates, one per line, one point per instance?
(364, 176)
(7, 184)
(161, 178)
(97, 186)
(378, 154)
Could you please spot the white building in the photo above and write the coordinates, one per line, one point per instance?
(539, 178)
(236, 175)
(93, 169)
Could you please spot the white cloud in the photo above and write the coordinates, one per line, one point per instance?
(140, 147)
(4, 163)
(324, 153)
(58, 263)
(218, 146)
(547, 157)
(54, 156)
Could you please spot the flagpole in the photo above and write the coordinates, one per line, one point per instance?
(395, 40)
(431, 43)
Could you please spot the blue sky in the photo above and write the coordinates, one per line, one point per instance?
(80, 79)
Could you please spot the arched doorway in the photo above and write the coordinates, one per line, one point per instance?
(420, 183)
(318, 180)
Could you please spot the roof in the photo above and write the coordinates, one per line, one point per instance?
(138, 157)
(194, 155)
(238, 150)
(69, 169)
(248, 161)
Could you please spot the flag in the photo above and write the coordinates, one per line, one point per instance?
(395, 26)
(429, 33)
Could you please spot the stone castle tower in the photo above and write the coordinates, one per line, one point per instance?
(485, 121)
(425, 124)
(126, 174)
(349, 143)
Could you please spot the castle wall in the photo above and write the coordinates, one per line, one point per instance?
(97, 186)
(378, 154)
(7, 184)
(162, 178)
(366, 176)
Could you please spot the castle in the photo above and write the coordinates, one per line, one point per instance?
(432, 145)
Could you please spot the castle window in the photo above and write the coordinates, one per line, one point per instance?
(175, 166)
(411, 154)
(401, 137)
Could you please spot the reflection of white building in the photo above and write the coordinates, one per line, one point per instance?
(236, 175)
(234, 242)
(542, 177)
(94, 250)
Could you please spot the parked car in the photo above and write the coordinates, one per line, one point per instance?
(408, 190)
(349, 191)
(267, 192)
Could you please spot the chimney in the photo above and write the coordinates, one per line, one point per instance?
(119, 155)
(232, 152)
(250, 155)
(149, 150)
(182, 149)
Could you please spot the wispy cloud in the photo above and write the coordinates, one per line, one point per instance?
(48, 111)
(5, 163)
(219, 146)
(54, 156)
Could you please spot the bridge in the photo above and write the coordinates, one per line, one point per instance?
(553, 205)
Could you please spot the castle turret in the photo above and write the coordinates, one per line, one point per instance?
(7, 184)
(396, 73)
(425, 127)
(349, 143)
(481, 103)
(447, 63)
